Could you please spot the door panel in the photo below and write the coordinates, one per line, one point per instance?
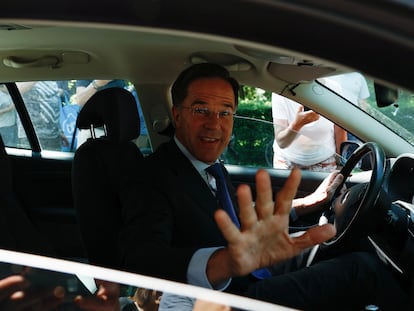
(44, 191)
(245, 175)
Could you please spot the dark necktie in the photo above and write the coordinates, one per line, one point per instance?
(222, 193)
(225, 203)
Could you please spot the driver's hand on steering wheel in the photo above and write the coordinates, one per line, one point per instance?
(321, 196)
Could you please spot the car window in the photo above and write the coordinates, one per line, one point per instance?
(261, 115)
(253, 115)
(8, 118)
(53, 107)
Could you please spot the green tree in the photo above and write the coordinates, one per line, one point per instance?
(253, 130)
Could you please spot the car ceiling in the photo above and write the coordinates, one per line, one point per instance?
(273, 44)
(143, 54)
(355, 34)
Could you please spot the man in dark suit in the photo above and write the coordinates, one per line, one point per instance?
(184, 235)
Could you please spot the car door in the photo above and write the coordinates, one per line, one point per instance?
(42, 174)
(41, 139)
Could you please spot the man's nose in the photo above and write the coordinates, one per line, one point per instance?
(213, 120)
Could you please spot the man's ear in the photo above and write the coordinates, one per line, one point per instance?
(176, 113)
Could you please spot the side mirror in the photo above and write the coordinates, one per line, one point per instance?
(384, 95)
(347, 149)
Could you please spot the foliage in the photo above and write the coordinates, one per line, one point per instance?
(253, 133)
(252, 140)
(398, 116)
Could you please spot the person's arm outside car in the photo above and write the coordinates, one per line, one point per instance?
(286, 133)
(84, 93)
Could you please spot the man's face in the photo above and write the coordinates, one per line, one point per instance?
(204, 121)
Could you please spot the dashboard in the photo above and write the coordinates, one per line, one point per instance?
(400, 182)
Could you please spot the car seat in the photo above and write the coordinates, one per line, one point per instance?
(103, 171)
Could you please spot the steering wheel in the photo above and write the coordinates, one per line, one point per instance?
(350, 209)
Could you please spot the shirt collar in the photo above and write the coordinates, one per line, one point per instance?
(199, 165)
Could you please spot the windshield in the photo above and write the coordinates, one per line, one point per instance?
(360, 91)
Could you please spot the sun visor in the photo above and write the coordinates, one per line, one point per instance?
(297, 73)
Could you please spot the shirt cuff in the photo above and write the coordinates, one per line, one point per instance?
(196, 272)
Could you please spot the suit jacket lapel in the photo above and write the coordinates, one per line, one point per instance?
(190, 181)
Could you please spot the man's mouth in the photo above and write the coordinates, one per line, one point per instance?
(209, 139)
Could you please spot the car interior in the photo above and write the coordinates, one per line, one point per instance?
(50, 199)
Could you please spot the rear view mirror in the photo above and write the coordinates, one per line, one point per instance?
(385, 96)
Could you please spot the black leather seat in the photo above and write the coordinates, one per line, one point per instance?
(103, 170)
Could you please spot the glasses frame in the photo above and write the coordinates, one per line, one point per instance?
(206, 113)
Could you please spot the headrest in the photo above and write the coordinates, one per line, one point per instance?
(114, 107)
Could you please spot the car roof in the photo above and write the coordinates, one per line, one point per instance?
(355, 35)
(274, 45)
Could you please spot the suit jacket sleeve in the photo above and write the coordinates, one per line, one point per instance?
(168, 215)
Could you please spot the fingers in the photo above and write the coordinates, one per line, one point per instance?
(247, 212)
(96, 303)
(331, 182)
(264, 196)
(264, 234)
(12, 284)
(265, 206)
(105, 299)
(108, 288)
(314, 115)
(338, 180)
(315, 235)
(226, 226)
(286, 195)
(334, 175)
(53, 298)
(331, 177)
(42, 299)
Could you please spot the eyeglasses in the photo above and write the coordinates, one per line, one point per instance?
(205, 113)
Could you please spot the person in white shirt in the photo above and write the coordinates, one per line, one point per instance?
(303, 139)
